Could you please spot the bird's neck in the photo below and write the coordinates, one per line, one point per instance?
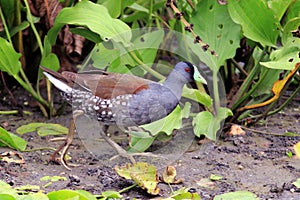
(175, 83)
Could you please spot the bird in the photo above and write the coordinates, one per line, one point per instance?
(120, 99)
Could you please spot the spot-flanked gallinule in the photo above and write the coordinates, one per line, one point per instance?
(121, 99)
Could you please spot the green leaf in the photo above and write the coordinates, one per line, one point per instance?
(19, 28)
(148, 44)
(9, 58)
(53, 178)
(185, 112)
(143, 174)
(290, 26)
(93, 16)
(9, 9)
(68, 194)
(286, 57)
(294, 11)
(11, 140)
(50, 61)
(206, 124)
(202, 122)
(7, 197)
(297, 152)
(111, 194)
(113, 7)
(297, 183)
(279, 7)
(215, 27)
(183, 194)
(103, 56)
(7, 192)
(215, 177)
(94, 37)
(28, 187)
(245, 195)
(167, 124)
(198, 96)
(43, 129)
(139, 141)
(36, 196)
(260, 26)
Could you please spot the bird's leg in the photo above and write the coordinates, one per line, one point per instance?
(67, 141)
(121, 152)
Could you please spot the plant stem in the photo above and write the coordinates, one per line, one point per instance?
(247, 83)
(216, 91)
(13, 112)
(146, 67)
(30, 20)
(128, 188)
(5, 27)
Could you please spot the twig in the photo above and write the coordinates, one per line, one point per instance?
(188, 27)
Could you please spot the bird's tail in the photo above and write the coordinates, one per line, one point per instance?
(57, 80)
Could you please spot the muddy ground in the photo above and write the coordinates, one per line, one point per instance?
(255, 162)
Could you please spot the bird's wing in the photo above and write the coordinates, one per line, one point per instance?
(108, 85)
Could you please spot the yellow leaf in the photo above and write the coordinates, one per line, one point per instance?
(297, 149)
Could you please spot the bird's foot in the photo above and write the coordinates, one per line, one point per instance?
(67, 141)
(64, 149)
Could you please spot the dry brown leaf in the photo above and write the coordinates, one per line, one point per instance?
(169, 175)
(12, 157)
(236, 130)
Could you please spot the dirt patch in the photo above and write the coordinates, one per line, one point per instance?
(254, 162)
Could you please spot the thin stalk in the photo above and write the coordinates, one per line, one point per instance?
(13, 112)
(128, 188)
(5, 27)
(216, 91)
(285, 103)
(30, 20)
(247, 83)
(257, 117)
(31, 91)
(146, 67)
(243, 98)
(24, 82)
(150, 15)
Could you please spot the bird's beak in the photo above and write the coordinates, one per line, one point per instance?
(198, 77)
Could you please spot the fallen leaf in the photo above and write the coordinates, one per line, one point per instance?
(206, 183)
(142, 173)
(236, 130)
(215, 177)
(297, 149)
(169, 175)
(12, 157)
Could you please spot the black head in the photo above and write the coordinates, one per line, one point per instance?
(189, 72)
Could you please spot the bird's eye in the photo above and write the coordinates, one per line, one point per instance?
(187, 69)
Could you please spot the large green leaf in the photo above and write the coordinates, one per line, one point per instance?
(113, 6)
(257, 20)
(286, 57)
(245, 195)
(9, 58)
(279, 7)
(206, 124)
(294, 11)
(289, 27)
(116, 55)
(96, 18)
(70, 194)
(11, 140)
(215, 27)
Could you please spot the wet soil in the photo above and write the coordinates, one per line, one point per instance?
(254, 162)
